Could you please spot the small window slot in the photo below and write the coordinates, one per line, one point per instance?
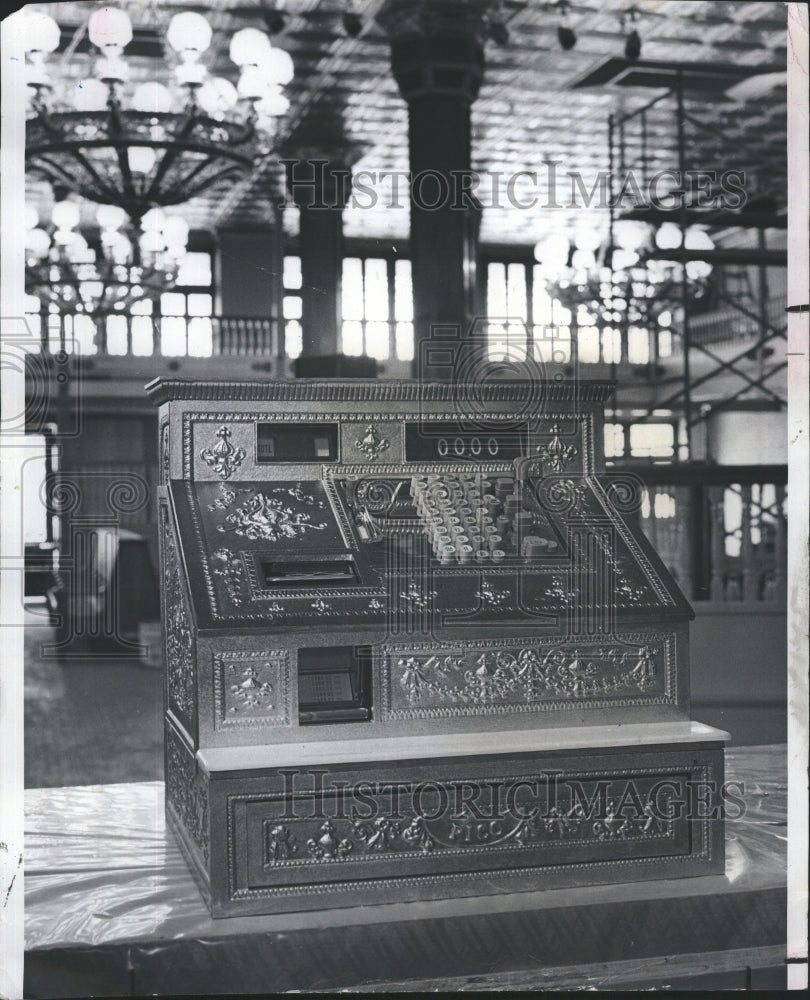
(334, 685)
(308, 572)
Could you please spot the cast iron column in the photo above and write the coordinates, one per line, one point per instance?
(320, 188)
(437, 57)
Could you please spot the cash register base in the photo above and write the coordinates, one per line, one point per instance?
(418, 647)
(476, 817)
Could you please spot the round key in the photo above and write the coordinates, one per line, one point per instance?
(481, 555)
(494, 542)
(533, 546)
(498, 555)
(464, 553)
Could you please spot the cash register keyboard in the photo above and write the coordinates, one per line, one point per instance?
(472, 519)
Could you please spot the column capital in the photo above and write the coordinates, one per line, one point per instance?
(437, 47)
(315, 180)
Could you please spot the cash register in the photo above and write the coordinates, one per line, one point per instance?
(417, 646)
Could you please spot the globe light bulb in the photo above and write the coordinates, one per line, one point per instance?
(141, 159)
(249, 47)
(112, 69)
(217, 96)
(189, 34)
(190, 74)
(554, 249)
(252, 84)
(119, 247)
(630, 234)
(151, 241)
(109, 28)
(587, 238)
(90, 95)
(582, 260)
(668, 236)
(698, 239)
(154, 219)
(272, 103)
(42, 33)
(278, 66)
(37, 243)
(37, 75)
(622, 259)
(110, 216)
(152, 97)
(657, 271)
(76, 248)
(697, 269)
(31, 217)
(175, 230)
(65, 214)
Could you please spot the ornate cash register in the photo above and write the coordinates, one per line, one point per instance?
(417, 646)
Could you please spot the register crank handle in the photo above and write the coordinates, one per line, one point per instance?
(523, 467)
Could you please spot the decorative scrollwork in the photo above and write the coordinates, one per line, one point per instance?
(528, 674)
(177, 630)
(416, 597)
(416, 833)
(491, 596)
(298, 493)
(187, 792)
(328, 846)
(559, 495)
(378, 496)
(378, 835)
(279, 843)
(457, 829)
(556, 456)
(251, 690)
(267, 519)
(223, 458)
(228, 566)
(372, 443)
(164, 452)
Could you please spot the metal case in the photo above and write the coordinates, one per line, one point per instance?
(370, 585)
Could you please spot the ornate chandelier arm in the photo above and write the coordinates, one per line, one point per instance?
(190, 190)
(65, 177)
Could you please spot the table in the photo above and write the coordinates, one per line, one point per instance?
(111, 909)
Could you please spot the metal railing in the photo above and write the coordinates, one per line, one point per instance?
(130, 335)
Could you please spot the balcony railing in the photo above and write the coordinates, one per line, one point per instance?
(128, 335)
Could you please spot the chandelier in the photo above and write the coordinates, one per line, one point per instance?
(148, 145)
(116, 268)
(623, 280)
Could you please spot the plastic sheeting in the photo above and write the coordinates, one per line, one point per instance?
(101, 868)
